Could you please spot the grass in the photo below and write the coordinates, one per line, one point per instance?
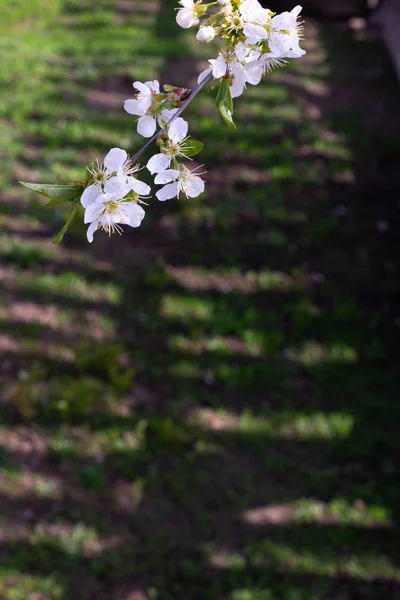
(204, 408)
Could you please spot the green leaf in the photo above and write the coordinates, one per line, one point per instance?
(58, 238)
(224, 103)
(191, 147)
(226, 114)
(214, 84)
(224, 95)
(58, 194)
(59, 201)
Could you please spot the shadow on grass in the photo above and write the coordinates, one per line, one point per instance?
(253, 457)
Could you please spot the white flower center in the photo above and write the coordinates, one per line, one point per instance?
(235, 22)
(111, 207)
(100, 177)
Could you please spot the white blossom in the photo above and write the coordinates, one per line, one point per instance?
(251, 11)
(145, 105)
(248, 12)
(114, 197)
(114, 207)
(206, 34)
(282, 35)
(115, 194)
(259, 64)
(187, 16)
(143, 101)
(239, 65)
(177, 133)
(116, 163)
(178, 181)
(108, 215)
(268, 62)
(284, 40)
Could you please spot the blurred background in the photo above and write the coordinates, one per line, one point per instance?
(205, 408)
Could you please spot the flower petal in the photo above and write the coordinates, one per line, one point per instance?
(146, 126)
(92, 212)
(196, 187)
(255, 73)
(177, 131)
(296, 11)
(241, 51)
(186, 18)
(220, 66)
(115, 159)
(255, 32)
(103, 198)
(279, 43)
(116, 186)
(168, 191)
(92, 229)
(133, 107)
(90, 194)
(204, 74)
(295, 44)
(237, 88)
(167, 176)
(154, 86)
(166, 115)
(294, 54)
(284, 21)
(157, 163)
(140, 187)
(142, 88)
(239, 83)
(135, 214)
(252, 12)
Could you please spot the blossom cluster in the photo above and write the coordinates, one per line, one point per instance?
(173, 145)
(115, 195)
(254, 41)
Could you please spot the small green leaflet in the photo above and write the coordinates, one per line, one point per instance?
(225, 104)
(214, 84)
(58, 238)
(58, 194)
(191, 147)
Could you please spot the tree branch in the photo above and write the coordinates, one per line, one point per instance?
(184, 106)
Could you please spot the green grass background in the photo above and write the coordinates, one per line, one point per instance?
(204, 408)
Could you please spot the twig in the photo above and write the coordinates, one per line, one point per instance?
(191, 97)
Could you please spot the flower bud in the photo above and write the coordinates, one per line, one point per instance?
(176, 96)
(224, 2)
(205, 34)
